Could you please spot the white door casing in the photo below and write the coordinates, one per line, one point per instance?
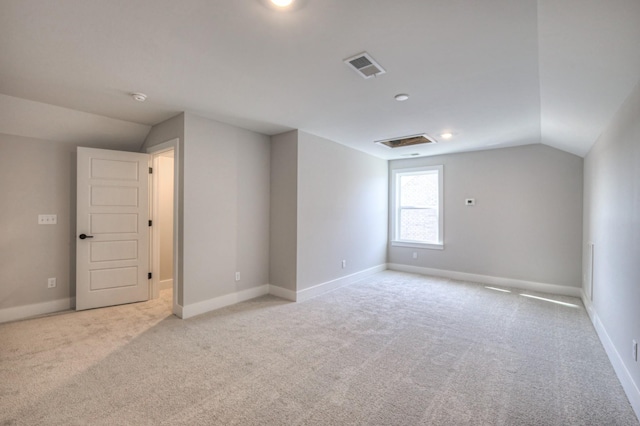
(112, 262)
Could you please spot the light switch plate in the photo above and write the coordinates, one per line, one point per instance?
(47, 219)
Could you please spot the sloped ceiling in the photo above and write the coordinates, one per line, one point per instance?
(495, 73)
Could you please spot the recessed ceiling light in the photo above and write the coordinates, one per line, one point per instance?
(446, 135)
(401, 97)
(282, 3)
(140, 97)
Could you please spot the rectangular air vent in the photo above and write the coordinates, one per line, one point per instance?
(365, 65)
(406, 141)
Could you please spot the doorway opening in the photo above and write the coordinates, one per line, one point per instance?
(164, 230)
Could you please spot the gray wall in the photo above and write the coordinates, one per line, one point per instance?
(36, 177)
(612, 224)
(283, 248)
(226, 209)
(526, 223)
(342, 210)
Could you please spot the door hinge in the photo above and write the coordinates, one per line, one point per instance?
(150, 223)
(150, 170)
(149, 275)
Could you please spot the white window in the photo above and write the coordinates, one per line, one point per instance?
(417, 207)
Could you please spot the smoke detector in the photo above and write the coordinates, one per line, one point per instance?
(365, 65)
(140, 97)
(407, 141)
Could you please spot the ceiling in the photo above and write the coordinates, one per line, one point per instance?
(495, 73)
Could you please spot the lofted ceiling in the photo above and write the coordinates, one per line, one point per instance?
(495, 73)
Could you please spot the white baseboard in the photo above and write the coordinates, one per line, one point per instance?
(325, 287)
(166, 284)
(198, 308)
(27, 311)
(485, 279)
(281, 292)
(626, 379)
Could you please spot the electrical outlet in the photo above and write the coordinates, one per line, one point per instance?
(470, 202)
(237, 276)
(47, 219)
(344, 264)
(51, 283)
(635, 351)
(415, 254)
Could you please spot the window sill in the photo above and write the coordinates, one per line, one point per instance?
(439, 246)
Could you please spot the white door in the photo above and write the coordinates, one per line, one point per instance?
(112, 247)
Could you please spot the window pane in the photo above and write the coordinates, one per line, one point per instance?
(419, 190)
(419, 225)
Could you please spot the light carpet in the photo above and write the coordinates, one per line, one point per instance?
(393, 349)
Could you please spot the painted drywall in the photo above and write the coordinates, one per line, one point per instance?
(22, 117)
(36, 177)
(165, 222)
(216, 157)
(166, 131)
(612, 224)
(342, 211)
(283, 210)
(527, 221)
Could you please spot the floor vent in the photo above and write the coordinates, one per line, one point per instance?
(407, 141)
(365, 65)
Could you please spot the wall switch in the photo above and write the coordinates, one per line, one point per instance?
(47, 219)
(237, 276)
(51, 283)
(635, 351)
(344, 264)
(415, 254)
(470, 202)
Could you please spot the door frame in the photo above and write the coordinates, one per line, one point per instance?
(155, 151)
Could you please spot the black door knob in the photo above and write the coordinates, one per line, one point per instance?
(83, 236)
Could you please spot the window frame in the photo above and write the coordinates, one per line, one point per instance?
(395, 207)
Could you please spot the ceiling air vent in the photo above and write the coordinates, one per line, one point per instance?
(406, 141)
(365, 65)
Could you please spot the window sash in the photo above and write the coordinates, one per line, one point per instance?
(436, 241)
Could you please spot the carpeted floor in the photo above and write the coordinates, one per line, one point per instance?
(394, 349)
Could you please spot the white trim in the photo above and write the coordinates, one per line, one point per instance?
(173, 144)
(28, 311)
(485, 279)
(394, 201)
(438, 246)
(282, 292)
(327, 286)
(209, 305)
(625, 377)
(166, 284)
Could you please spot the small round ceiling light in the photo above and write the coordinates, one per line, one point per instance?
(446, 135)
(140, 97)
(282, 3)
(401, 97)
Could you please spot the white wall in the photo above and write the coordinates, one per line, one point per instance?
(526, 224)
(226, 209)
(612, 224)
(342, 211)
